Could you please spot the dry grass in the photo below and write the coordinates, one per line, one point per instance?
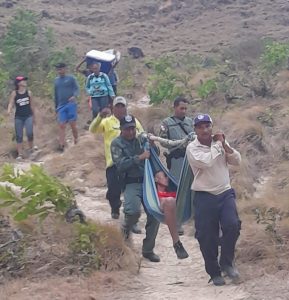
(100, 285)
(152, 116)
(48, 249)
(281, 86)
(81, 165)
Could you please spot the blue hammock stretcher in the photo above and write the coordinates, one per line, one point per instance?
(184, 193)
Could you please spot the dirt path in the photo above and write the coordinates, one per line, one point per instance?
(171, 278)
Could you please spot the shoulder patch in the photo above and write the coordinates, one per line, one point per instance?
(163, 128)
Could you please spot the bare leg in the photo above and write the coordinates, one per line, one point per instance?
(30, 145)
(169, 209)
(19, 147)
(62, 134)
(74, 131)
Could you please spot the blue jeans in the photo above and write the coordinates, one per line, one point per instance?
(213, 212)
(98, 104)
(20, 124)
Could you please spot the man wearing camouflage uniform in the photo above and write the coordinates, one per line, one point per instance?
(129, 157)
(176, 127)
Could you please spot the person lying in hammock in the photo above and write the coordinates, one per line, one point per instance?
(168, 206)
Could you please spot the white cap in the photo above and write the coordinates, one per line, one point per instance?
(119, 99)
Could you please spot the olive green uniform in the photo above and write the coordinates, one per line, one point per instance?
(125, 155)
(173, 128)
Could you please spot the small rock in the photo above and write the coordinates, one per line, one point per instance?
(135, 52)
(45, 14)
(7, 4)
(245, 25)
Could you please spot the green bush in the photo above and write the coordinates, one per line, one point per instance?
(125, 72)
(275, 56)
(165, 83)
(30, 50)
(207, 88)
(19, 44)
(39, 194)
(4, 78)
(89, 238)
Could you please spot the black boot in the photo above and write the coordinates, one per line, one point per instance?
(180, 250)
(231, 272)
(151, 256)
(135, 229)
(218, 280)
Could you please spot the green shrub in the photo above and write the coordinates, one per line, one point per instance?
(39, 194)
(163, 88)
(30, 50)
(89, 238)
(19, 44)
(125, 72)
(165, 83)
(97, 246)
(4, 78)
(275, 56)
(207, 88)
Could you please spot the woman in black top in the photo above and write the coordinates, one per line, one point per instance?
(21, 99)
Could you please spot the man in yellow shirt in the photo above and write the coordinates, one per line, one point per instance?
(110, 128)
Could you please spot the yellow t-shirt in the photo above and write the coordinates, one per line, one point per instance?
(109, 127)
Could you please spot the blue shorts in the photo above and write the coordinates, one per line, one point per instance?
(67, 113)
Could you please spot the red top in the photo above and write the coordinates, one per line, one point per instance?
(167, 194)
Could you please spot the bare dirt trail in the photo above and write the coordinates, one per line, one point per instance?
(171, 278)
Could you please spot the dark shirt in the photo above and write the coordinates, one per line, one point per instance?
(125, 156)
(65, 87)
(22, 105)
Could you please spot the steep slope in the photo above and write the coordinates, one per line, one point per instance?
(198, 26)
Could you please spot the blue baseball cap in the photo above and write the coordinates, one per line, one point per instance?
(202, 118)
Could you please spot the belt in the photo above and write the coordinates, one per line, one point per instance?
(129, 180)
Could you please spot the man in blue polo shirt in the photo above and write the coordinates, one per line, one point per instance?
(66, 90)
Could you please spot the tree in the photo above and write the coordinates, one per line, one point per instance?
(19, 45)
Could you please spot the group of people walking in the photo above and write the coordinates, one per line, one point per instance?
(208, 155)
(66, 91)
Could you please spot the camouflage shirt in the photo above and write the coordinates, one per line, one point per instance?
(173, 128)
(125, 155)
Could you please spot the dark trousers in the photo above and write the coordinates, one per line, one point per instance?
(98, 104)
(211, 213)
(113, 189)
